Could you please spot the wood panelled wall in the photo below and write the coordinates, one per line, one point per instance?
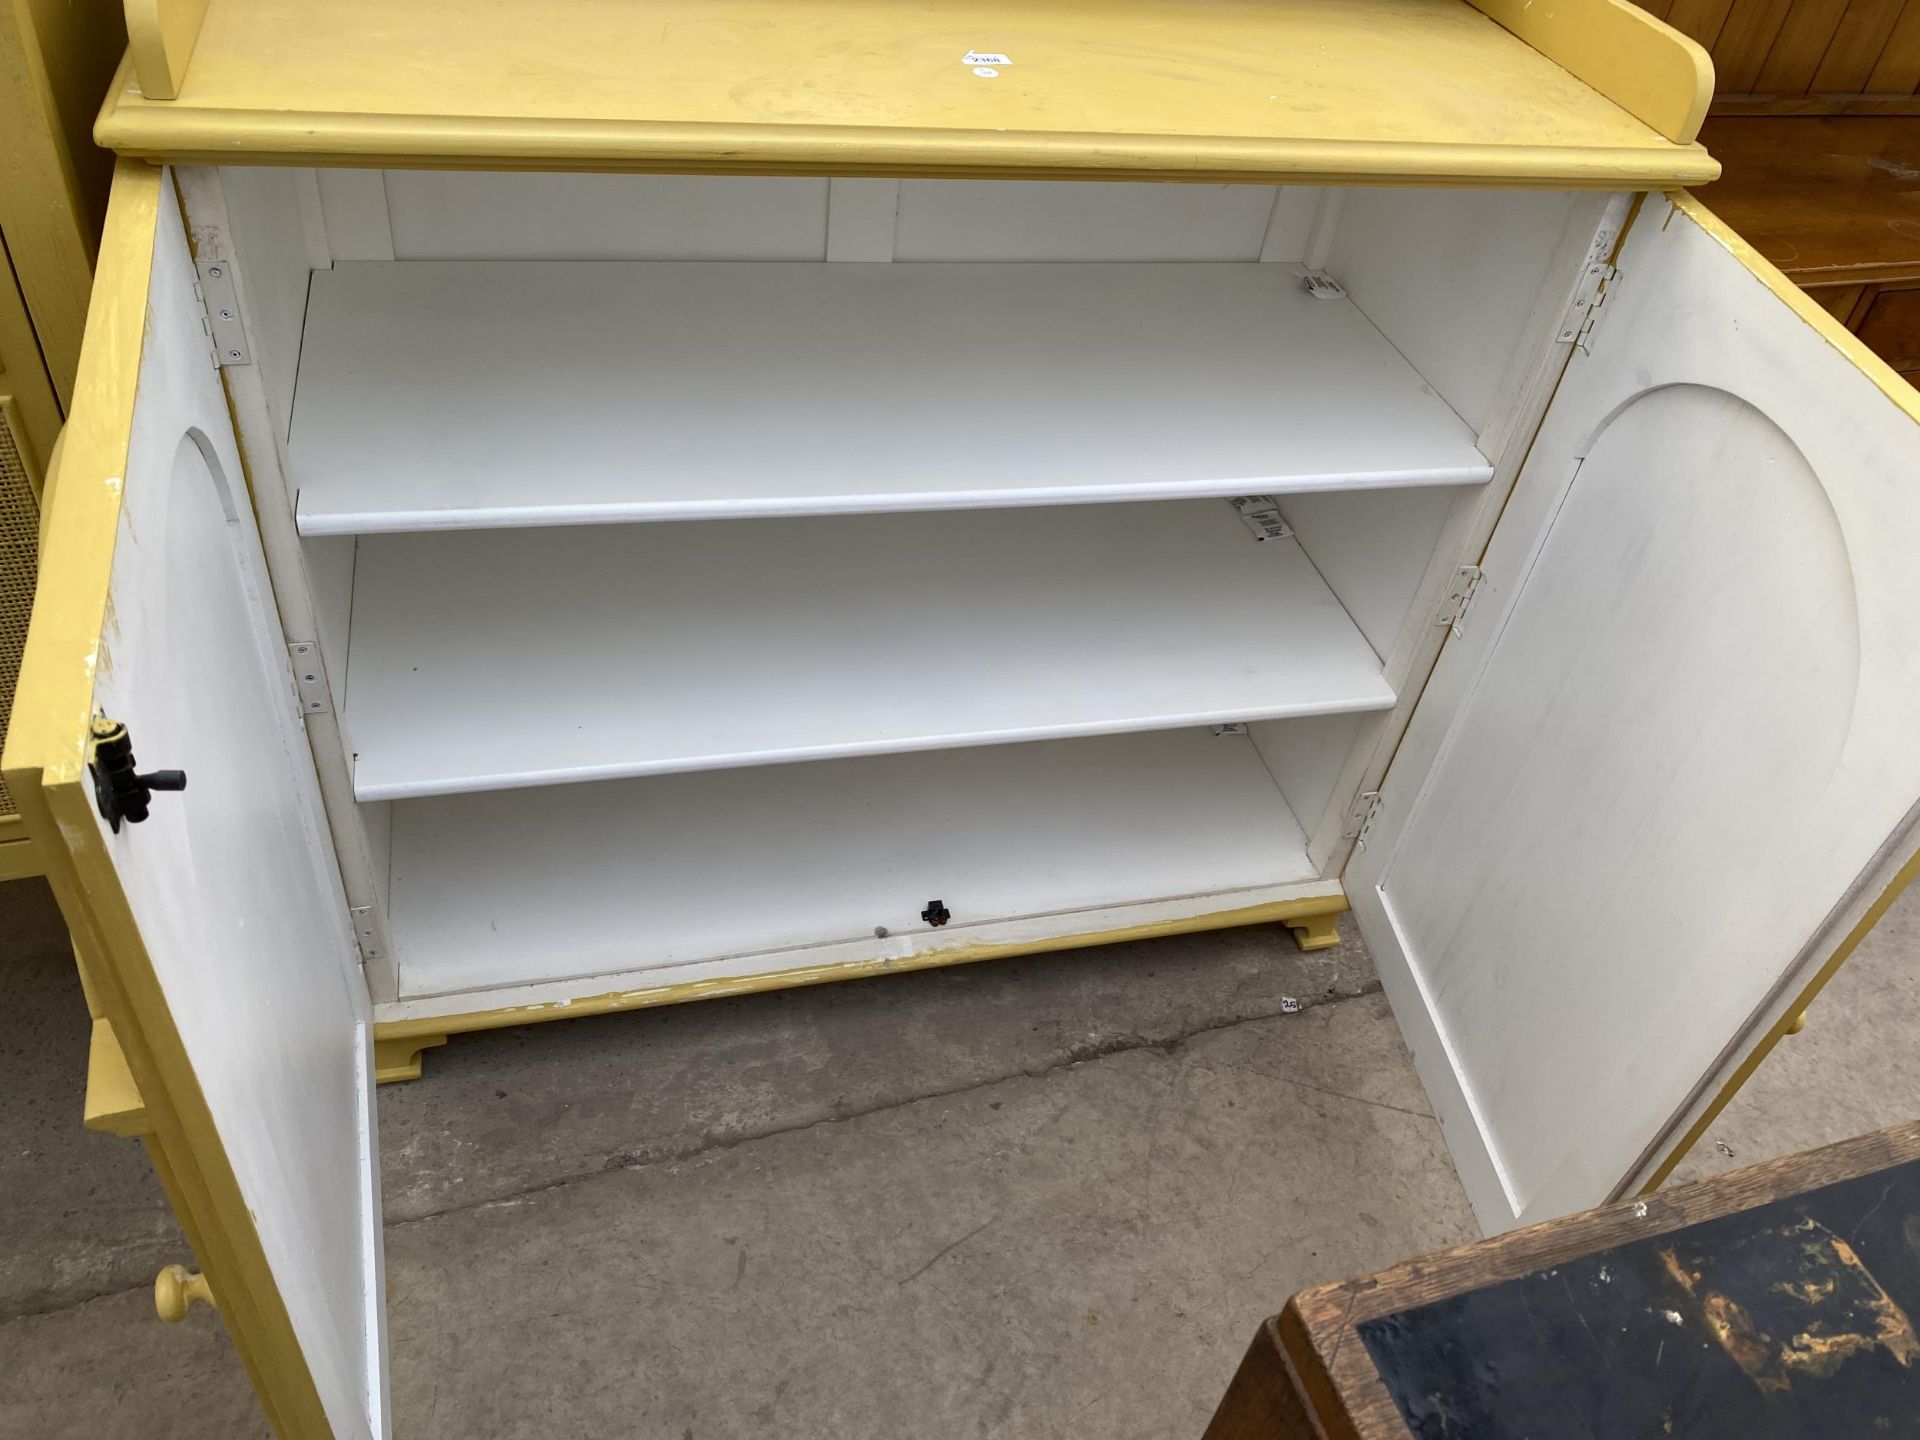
(1806, 56)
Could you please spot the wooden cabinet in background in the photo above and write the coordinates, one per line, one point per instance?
(1806, 57)
(1887, 318)
(1834, 201)
(1816, 121)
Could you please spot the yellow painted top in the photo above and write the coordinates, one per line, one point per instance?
(1424, 91)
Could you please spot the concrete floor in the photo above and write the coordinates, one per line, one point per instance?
(1037, 1198)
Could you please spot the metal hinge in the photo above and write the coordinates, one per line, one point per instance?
(1453, 609)
(1360, 817)
(366, 934)
(309, 679)
(312, 696)
(1596, 286)
(221, 301)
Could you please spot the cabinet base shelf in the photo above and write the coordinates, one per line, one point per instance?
(398, 1041)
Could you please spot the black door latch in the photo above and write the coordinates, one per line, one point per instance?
(936, 914)
(117, 790)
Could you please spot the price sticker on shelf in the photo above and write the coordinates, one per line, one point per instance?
(1261, 515)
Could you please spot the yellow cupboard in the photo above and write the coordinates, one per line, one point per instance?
(575, 507)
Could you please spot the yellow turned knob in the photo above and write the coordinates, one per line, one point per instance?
(1797, 1024)
(177, 1290)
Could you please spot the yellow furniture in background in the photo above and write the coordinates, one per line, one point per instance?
(56, 56)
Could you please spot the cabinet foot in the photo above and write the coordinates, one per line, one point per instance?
(399, 1058)
(1315, 932)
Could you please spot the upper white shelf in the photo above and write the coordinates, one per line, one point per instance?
(453, 395)
(491, 660)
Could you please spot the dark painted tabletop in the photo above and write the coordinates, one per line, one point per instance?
(1791, 1319)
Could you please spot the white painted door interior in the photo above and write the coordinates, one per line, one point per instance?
(1655, 777)
(213, 926)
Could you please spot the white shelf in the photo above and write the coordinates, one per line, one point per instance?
(439, 395)
(487, 660)
(583, 880)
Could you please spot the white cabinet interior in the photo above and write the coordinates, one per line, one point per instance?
(656, 424)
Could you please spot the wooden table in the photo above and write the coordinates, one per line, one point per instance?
(1777, 1300)
(1834, 201)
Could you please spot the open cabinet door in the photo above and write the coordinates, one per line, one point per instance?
(1673, 753)
(214, 933)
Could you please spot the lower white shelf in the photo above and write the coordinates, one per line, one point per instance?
(517, 888)
(488, 660)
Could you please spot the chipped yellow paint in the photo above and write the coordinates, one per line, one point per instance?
(1364, 91)
(397, 1043)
